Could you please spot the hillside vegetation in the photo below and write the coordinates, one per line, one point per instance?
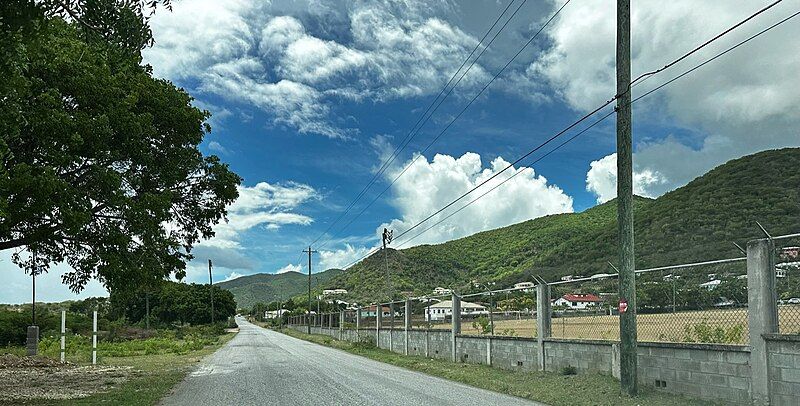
(250, 289)
(699, 221)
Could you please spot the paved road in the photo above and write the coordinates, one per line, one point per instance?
(263, 367)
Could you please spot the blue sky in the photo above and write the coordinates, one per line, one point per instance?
(309, 98)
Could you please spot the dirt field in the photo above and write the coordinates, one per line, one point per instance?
(23, 378)
(670, 327)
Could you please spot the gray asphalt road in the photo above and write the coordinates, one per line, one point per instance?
(263, 367)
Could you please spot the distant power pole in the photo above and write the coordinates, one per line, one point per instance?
(309, 251)
(211, 287)
(627, 273)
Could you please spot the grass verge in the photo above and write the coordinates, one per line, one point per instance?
(547, 387)
(153, 378)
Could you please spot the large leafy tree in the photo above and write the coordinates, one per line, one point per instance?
(99, 161)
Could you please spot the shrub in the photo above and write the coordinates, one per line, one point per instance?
(482, 325)
(569, 370)
(704, 333)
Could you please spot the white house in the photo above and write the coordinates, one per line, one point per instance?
(567, 278)
(601, 276)
(578, 301)
(711, 285)
(442, 291)
(525, 286)
(443, 309)
(372, 311)
(330, 292)
(274, 314)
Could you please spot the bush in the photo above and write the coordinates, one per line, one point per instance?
(569, 370)
(365, 343)
(704, 333)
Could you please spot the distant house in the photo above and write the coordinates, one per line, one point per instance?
(442, 291)
(331, 292)
(711, 285)
(578, 301)
(780, 273)
(274, 314)
(790, 252)
(525, 286)
(441, 310)
(371, 311)
(567, 278)
(601, 276)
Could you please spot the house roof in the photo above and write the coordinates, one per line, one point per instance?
(373, 307)
(449, 303)
(581, 297)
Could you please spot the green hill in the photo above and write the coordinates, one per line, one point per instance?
(696, 222)
(262, 287)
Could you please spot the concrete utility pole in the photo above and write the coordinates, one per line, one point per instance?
(387, 238)
(309, 251)
(627, 275)
(211, 288)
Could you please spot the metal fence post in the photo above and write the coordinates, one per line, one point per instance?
(341, 323)
(762, 313)
(543, 321)
(456, 325)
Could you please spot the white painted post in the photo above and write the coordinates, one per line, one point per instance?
(63, 335)
(94, 339)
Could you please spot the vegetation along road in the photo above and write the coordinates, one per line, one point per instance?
(261, 366)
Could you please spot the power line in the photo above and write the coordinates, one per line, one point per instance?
(463, 110)
(411, 133)
(584, 118)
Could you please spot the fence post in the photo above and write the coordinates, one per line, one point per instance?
(378, 324)
(94, 338)
(408, 321)
(358, 324)
(63, 335)
(762, 313)
(341, 323)
(543, 321)
(456, 325)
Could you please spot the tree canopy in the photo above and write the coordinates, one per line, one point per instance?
(99, 160)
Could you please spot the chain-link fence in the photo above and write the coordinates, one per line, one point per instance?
(506, 312)
(701, 302)
(787, 285)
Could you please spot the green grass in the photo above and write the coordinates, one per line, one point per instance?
(547, 387)
(156, 375)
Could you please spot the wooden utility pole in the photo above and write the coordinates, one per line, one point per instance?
(309, 251)
(627, 275)
(211, 288)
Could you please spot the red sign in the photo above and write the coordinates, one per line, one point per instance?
(623, 305)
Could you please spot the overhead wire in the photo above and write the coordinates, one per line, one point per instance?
(718, 55)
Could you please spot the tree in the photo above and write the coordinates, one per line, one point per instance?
(172, 302)
(99, 161)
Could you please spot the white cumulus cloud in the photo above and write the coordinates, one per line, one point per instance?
(290, 268)
(602, 180)
(427, 186)
(739, 104)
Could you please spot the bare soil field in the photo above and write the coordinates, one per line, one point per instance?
(667, 327)
(26, 378)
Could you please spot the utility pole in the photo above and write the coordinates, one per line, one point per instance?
(387, 238)
(211, 288)
(627, 274)
(309, 251)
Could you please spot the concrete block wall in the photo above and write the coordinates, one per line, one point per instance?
(514, 353)
(383, 340)
(713, 372)
(784, 369)
(472, 349)
(399, 341)
(416, 342)
(584, 355)
(439, 342)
